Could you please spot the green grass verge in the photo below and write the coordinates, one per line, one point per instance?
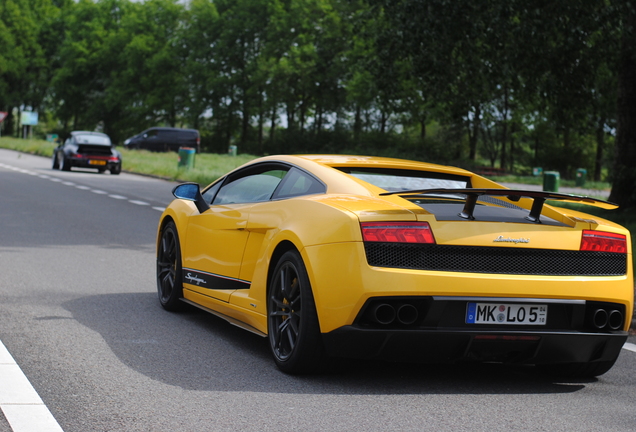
(207, 167)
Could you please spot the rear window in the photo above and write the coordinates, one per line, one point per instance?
(394, 180)
(92, 139)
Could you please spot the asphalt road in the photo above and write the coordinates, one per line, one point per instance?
(79, 314)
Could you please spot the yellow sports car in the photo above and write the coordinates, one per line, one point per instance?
(366, 257)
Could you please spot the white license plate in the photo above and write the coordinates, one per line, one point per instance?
(506, 313)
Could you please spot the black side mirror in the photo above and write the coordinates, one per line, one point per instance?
(191, 192)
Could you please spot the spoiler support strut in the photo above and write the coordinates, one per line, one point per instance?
(539, 199)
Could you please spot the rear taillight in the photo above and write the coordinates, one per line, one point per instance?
(397, 232)
(599, 241)
(113, 159)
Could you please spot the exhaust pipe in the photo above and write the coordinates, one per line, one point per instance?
(384, 314)
(407, 314)
(615, 320)
(600, 318)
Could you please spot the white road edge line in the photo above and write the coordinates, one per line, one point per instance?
(629, 347)
(20, 403)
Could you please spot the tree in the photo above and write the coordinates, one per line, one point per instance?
(624, 175)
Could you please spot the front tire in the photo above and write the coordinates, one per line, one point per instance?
(293, 328)
(169, 282)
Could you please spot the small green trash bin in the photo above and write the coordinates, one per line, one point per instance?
(232, 150)
(581, 177)
(551, 181)
(186, 157)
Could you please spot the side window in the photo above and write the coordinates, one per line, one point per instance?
(299, 183)
(209, 194)
(255, 186)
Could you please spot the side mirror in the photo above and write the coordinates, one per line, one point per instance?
(191, 192)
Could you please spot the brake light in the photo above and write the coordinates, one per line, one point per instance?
(113, 159)
(600, 241)
(397, 232)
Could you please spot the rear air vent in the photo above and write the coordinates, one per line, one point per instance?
(474, 259)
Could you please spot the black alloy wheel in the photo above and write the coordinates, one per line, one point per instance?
(293, 328)
(169, 283)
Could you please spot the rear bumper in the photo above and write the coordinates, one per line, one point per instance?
(471, 345)
(84, 163)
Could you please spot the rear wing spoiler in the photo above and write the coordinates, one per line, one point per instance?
(539, 198)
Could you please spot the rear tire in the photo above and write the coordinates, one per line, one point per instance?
(293, 328)
(169, 282)
(65, 164)
(56, 163)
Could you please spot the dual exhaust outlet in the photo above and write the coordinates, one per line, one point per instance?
(386, 314)
(612, 319)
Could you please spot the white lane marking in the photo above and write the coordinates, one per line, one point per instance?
(20, 403)
(629, 347)
(82, 187)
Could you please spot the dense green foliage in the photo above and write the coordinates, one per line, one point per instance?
(507, 83)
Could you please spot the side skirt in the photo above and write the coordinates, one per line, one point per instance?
(229, 319)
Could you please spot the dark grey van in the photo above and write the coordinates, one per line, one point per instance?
(162, 139)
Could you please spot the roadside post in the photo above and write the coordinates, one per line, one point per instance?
(186, 157)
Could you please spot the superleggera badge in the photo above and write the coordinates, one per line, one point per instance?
(502, 239)
(194, 279)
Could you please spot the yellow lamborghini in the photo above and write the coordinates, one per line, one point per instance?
(376, 258)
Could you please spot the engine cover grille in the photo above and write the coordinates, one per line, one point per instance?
(477, 259)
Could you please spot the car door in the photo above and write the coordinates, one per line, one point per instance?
(216, 239)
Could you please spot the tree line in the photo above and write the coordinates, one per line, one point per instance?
(507, 83)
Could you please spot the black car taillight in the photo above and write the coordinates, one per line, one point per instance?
(397, 232)
(600, 241)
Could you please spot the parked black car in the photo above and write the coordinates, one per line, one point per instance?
(85, 149)
(162, 139)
